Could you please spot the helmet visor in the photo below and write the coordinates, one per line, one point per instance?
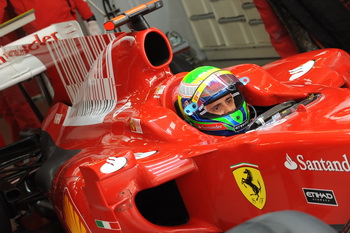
(212, 88)
(216, 85)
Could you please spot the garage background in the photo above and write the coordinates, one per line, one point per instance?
(216, 29)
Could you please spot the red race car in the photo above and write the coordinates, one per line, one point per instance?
(115, 154)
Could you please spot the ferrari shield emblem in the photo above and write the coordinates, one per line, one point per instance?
(251, 183)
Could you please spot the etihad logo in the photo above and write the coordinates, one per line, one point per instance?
(338, 165)
(251, 183)
(320, 197)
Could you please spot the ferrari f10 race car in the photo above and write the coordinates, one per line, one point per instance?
(114, 155)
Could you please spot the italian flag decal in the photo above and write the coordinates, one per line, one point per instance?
(108, 225)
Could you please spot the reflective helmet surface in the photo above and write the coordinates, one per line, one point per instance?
(205, 85)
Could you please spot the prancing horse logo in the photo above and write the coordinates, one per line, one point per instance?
(251, 183)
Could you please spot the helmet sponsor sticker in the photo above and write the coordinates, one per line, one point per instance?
(250, 182)
(210, 126)
(320, 197)
(241, 126)
(196, 96)
(340, 164)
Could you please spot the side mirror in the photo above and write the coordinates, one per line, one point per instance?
(134, 17)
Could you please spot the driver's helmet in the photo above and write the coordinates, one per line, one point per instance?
(205, 85)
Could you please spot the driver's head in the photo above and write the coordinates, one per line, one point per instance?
(210, 100)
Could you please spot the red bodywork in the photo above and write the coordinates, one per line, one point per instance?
(299, 162)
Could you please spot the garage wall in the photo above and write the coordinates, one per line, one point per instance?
(171, 17)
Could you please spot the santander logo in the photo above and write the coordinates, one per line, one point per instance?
(290, 164)
(299, 162)
(54, 32)
(113, 164)
(26, 48)
(301, 70)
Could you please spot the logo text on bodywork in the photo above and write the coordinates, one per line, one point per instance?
(320, 196)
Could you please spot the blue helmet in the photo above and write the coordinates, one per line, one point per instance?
(205, 85)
